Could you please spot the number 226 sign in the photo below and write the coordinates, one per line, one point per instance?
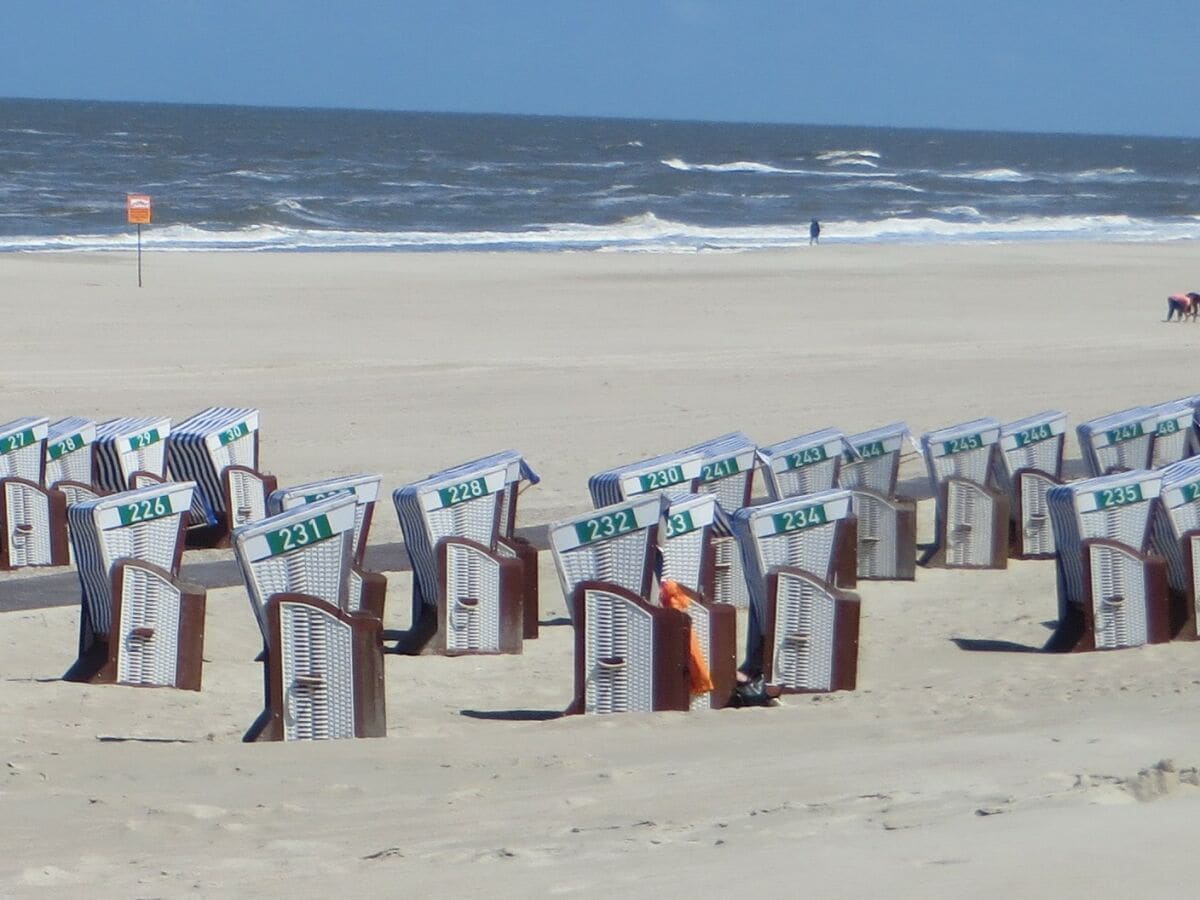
(138, 208)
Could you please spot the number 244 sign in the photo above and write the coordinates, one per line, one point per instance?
(139, 208)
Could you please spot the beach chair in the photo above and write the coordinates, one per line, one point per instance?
(669, 472)
(803, 631)
(467, 597)
(69, 459)
(804, 464)
(517, 473)
(887, 523)
(322, 662)
(367, 591)
(971, 530)
(886, 534)
(218, 449)
(1193, 441)
(1112, 593)
(1028, 465)
(685, 546)
(727, 472)
(130, 453)
(871, 459)
(1119, 442)
(1175, 536)
(33, 520)
(138, 623)
(630, 655)
(1174, 433)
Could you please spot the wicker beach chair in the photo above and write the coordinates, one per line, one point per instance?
(33, 520)
(669, 472)
(1028, 465)
(130, 452)
(218, 449)
(803, 632)
(518, 472)
(971, 530)
(69, 459)
(629, 654)
(307, 549)
(887, 523)
(871, 459)
(322, 663)
(1119, 442)
(804, 464)
(1112, 593)
(727, 472)
(1174, 434)
(138, 624)
(1175, 536)
(467, 596)
(367, 590)
(687, 555)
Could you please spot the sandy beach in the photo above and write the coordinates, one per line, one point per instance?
(953, 770)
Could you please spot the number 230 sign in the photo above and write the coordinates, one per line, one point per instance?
(138, 208)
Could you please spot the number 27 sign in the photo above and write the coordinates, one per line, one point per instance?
(138, 208)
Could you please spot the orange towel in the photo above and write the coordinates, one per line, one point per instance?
(672, 596)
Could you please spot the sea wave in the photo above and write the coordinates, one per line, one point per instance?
(645, 232)
(832, 155)
(759, 168)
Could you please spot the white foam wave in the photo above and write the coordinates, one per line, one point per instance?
(765, 169)
(645, 232)
(991, 175)
(834, 155)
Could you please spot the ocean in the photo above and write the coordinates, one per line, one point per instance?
(259, 179)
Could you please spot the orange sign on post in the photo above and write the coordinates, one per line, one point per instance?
(138, 208)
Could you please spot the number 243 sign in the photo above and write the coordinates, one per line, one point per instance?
(139, 208)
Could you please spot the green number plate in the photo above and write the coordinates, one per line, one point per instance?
(714, 471)
(463, 491)
(609, 525)
(299, 535)
(145, 439)
(962, 444)
(872, 450)
(229, 435)
(1118, 496)
(1034, 435)
(663, 478)
(680, 523)
(799, 519)
(1125, 433)
(145, 510)
(61, 448)
(16, 441)
(805, 457)
(1191, 491)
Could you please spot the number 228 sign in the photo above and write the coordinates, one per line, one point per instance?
(138, 208)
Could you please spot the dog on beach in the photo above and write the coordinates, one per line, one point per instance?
(1183, 305)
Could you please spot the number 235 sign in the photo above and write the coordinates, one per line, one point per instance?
(138, 208)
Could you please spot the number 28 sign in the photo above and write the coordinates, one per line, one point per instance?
(139, 208)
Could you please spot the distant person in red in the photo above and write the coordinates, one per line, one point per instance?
(1183, 305)
(814, 232)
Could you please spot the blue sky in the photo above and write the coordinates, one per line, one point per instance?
(1053, 65)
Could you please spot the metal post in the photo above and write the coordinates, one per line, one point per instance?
(139, 254)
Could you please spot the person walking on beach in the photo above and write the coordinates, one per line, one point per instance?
(1183, 305)
(814, 232)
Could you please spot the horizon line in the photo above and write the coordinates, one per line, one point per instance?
(611, 118)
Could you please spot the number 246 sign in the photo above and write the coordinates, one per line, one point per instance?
(139, 208)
